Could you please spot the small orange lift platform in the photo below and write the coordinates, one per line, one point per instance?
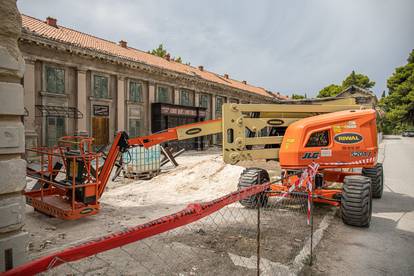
(77, 193)
(70, 178)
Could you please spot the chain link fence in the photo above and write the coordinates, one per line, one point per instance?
(220, 237)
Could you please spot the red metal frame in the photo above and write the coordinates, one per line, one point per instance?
(321, 195)
(58, 198)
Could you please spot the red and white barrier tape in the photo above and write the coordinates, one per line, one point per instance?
(306, 178)
(358, 162)
(313, 168)
(191, 213)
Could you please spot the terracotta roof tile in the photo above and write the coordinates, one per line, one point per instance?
(91, 42)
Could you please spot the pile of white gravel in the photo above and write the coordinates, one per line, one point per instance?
(199, 177)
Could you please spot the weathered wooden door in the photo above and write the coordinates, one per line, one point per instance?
(100, 130)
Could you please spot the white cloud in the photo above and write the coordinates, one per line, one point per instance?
(287, 46)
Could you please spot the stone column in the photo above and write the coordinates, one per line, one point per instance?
(176, 95)
(120, 104)
(196, 99)
(151, 99)
(199, 141)
(29, 104)
(12, 168)
(213, 116)
(81, 101)
(213, 107)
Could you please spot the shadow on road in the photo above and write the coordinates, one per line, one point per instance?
(393, 202)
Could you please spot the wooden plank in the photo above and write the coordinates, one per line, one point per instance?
(169, 155)
(175, 154)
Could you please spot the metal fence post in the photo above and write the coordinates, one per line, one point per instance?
(258, 240)
(311, 237)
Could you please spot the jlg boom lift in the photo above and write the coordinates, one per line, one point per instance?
(344, 137)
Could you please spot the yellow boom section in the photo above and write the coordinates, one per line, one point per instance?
(255, 131)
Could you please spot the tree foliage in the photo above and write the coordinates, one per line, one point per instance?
(399, 104)
(360, 80)
(298, 96)
(330, 91)
(160, 51)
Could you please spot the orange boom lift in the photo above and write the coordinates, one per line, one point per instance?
(339, 146)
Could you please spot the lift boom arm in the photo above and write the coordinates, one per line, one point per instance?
(122, 142)
(178, 133)
(237, 119)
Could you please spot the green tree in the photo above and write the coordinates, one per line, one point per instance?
(358, 80)
(160, 51)
(399, 104)
(353, 79)
(383, 94)
(297, 96)
(330, 91)
(411, 57)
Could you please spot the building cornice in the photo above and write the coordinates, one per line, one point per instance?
(33, 38)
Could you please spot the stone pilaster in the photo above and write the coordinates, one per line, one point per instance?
(196, 99)
(120, 104)
(30, 104)
(213, 107)
(176, 95)
(151, 100)
(213, 116)
(81, 102)
(12, 143)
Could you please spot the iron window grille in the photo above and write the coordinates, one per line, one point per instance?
(59, 111)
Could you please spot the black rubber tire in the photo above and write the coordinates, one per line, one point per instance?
(250, 177)
(377, 179)
(356, 201)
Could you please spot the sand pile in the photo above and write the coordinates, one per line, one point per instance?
(198, 178)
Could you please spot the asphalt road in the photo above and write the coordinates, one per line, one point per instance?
(387, 247)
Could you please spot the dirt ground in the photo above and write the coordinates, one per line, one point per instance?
(224, 242)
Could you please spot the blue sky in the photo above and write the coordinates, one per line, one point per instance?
(284, 46)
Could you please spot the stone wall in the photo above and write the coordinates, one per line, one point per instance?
(12, 146)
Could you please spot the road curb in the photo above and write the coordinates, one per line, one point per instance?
(302, 259)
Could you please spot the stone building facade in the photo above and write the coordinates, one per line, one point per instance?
(363, 96)
(78, 84)
(13, 240)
